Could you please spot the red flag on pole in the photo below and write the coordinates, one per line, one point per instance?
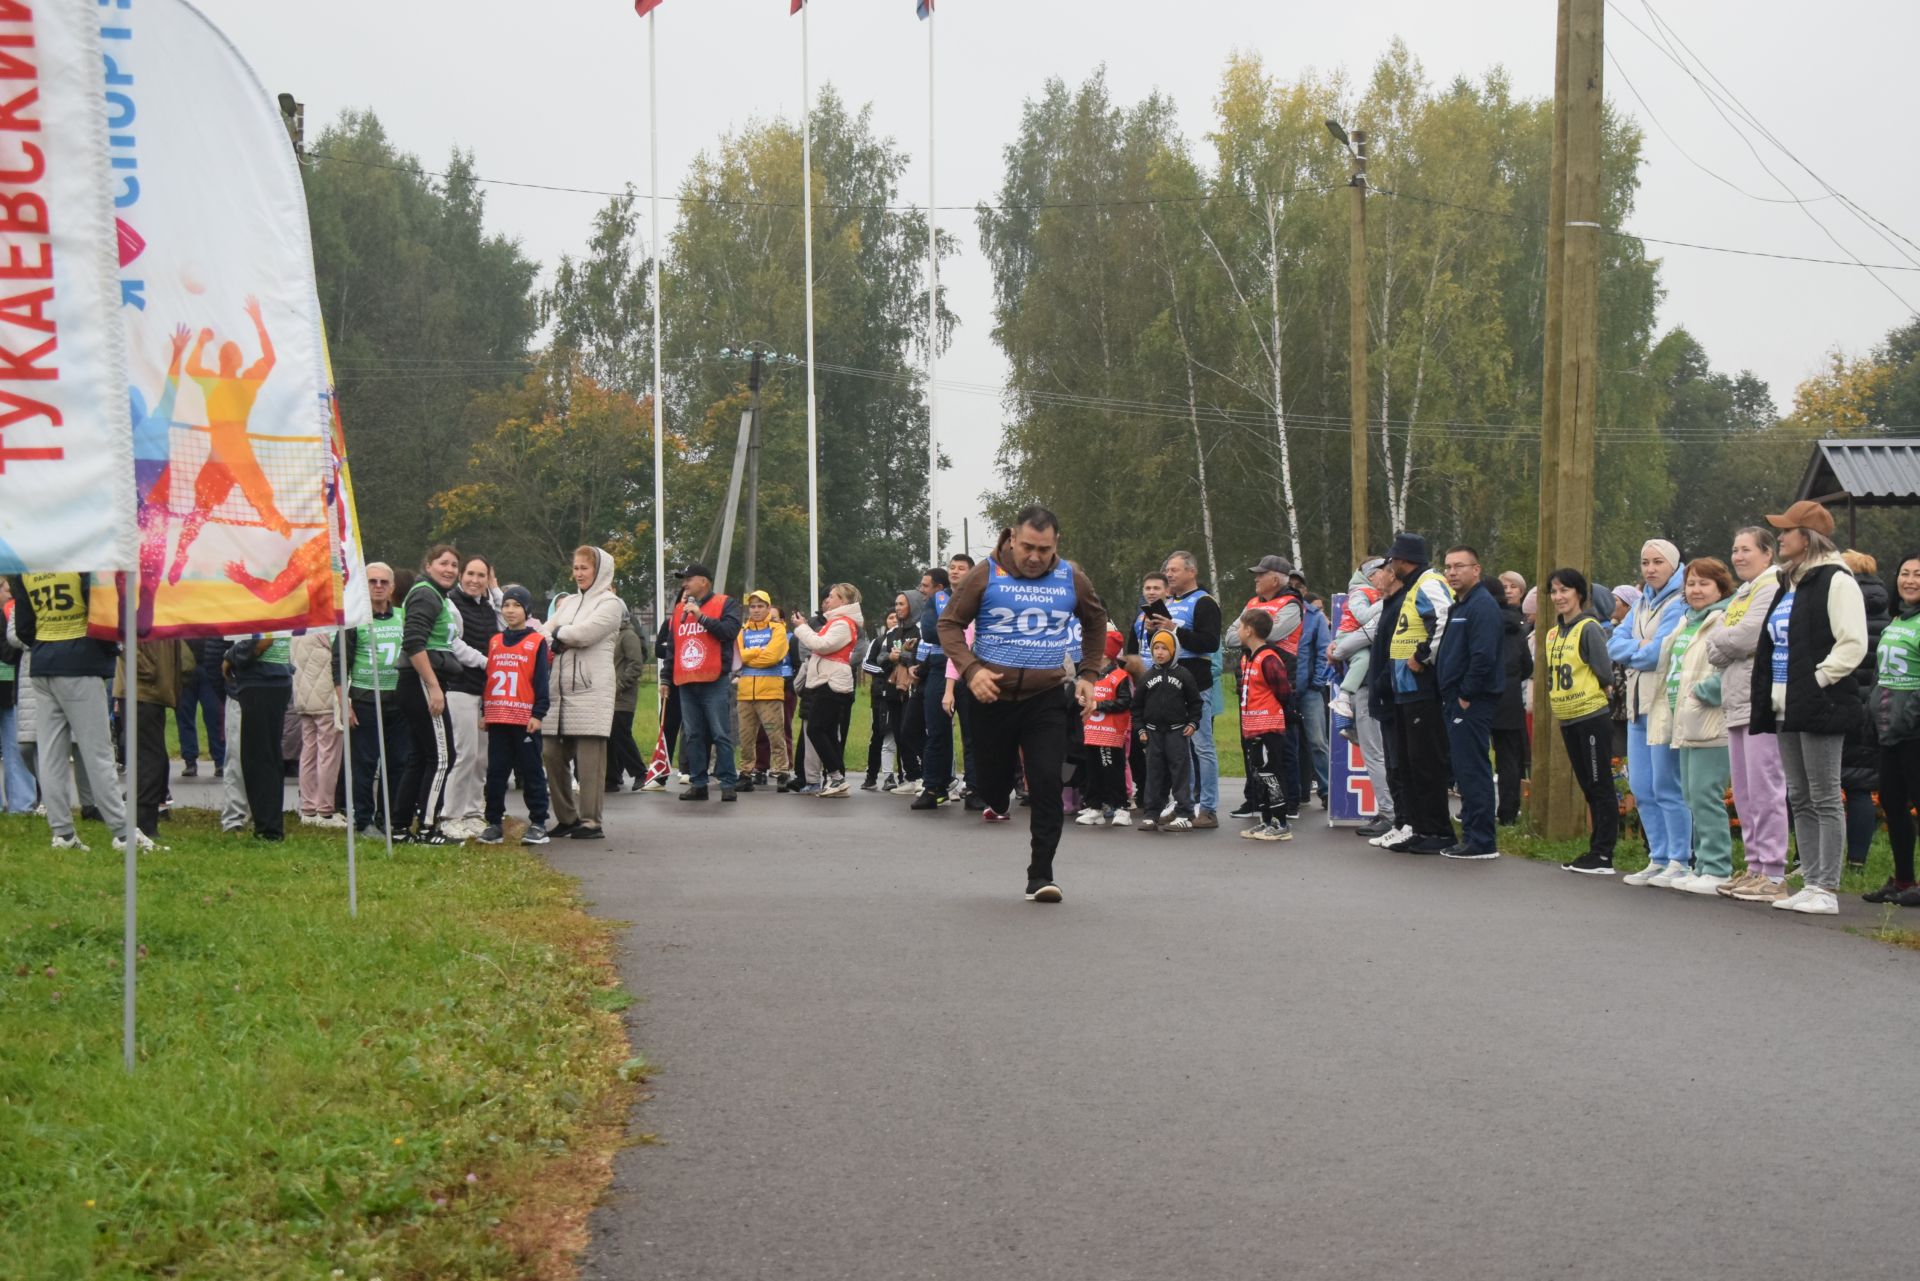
(645, 7)
(923, 9)
(661, 767)
(796, 7)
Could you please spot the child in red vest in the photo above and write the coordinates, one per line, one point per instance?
(1264, 687)
(514, 704)
(1105, 732)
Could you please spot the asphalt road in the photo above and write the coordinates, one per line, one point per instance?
(1220, 1058)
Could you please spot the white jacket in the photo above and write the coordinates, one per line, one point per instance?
(313, 689)
(842, 625)
(582, 684)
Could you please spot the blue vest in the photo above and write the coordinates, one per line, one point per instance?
(1777, 629)
(929, 624)
(1182, 610)
(760, 638)
(1026, 622)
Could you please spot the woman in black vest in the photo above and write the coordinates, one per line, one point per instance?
(1804, 690)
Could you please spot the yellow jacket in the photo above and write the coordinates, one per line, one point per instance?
(764, 667)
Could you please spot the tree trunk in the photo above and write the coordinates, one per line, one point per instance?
(1274, 360)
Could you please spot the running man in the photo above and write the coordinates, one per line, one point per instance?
(311, 566)
(230, 394)
(1022, 604)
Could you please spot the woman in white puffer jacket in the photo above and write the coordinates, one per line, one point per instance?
(584, 631)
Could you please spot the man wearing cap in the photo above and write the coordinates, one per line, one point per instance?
(766, 662)
(1196, 626)
(1021, 603)
(1406, 696)
(705, 626)
(1273, 594)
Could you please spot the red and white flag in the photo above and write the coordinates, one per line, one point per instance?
(661, 765)
(645, 7)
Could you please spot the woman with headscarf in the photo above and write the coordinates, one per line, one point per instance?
(583, 629)
(1895, 707)
(1804, 691)
(1759, 786)
(1687, 717)
(1653, 769)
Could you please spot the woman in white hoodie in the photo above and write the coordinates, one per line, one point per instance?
(583, 630)
(827, 677)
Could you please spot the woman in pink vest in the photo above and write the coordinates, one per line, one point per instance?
(827, 678)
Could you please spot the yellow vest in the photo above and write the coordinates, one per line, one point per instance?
(1572, 688)
(1743, 599)
(1412, 630)
(59, 606)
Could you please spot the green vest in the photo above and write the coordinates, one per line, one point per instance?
(377, 649)
(1899, 656)
(1681, 644)
(440, 635)
(280, 651)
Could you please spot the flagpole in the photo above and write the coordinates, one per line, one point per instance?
(130, 863)
(659, 430)
(346, 761)
(380, 733)
(813, 425)
(933, 320)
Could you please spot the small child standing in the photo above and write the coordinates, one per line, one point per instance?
(513, 706)
(1170, 709)
(1106, 733)
(1264, 688)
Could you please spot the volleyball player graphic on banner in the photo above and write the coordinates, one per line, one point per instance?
(230, 402)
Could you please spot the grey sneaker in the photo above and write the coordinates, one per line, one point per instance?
(491, 835)
(536, 835)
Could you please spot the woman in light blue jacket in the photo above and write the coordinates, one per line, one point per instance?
(1653, 770)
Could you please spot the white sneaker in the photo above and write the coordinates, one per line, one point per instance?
(1791, 903)
(1703, 884)
(1645, 875)
(338, 820)
(682, 779)
(1670, 876)
(1120, 818)
(1818, 903)
(1342, 706)
(907, 787)
(1088, 818)
(1394, 837)
(71, 843)
(836, 786)
(1178, 824)
(140, 839)
(657, 785)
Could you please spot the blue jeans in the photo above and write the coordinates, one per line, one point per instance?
(1653, 772)
(19, 785)
(203, 695)
(706, 725)
(936, 758)
(1313, 727)
(1469, 742)
(1206, 760)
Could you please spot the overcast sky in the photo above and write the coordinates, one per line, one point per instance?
(556, 93)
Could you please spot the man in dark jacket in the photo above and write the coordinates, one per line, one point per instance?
(1510, 746)
(1406, 698)
(1472, 669)
(203, 693)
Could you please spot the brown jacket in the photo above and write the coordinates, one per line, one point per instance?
(159, 669)
(1021, 682)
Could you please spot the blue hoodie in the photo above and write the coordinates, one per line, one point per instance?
(1666, 608)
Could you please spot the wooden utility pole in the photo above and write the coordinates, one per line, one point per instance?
(1357, 342)
(1569, 383)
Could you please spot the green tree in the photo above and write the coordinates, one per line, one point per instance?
(423, 308)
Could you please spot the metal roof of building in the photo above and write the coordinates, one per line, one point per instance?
(1877, 471)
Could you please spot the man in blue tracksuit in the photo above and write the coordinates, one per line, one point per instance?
(936, 758)
(1473, 675)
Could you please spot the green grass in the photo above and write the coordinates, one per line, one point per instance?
(431, 1090)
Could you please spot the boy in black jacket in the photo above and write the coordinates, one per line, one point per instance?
(1168, 710)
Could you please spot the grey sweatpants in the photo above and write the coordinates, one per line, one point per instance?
(1373, 750)
(1812, 766)
(235, 814)
(72, 714)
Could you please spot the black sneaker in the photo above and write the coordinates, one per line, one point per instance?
(694, 794)
(1042, 892)
(1888, 893)
(189, 770)
(1323, 800)
(870, 784)
(561, 830)
(975, 804)
(744, 785)
(1293, 815)
(1591, 864)
(434, 836)
(1378, 827)
(1463, 850)
(587, 832)
(727, 793)
(491, 835)
(1909, 898)
(1249, 810)
(930, 801)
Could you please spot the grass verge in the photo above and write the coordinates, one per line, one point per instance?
(433, 1090)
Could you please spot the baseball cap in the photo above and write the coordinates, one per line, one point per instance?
(1805, 514)
(693, 570)
(1272, 565)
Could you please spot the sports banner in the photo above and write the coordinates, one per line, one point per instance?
(65, 455)
(350, 562)
(1348, 782)
(226, 366)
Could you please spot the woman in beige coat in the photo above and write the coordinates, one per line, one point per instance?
(316, 707)
(1686, 716)
(583, 630)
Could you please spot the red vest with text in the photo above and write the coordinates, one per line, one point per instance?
(697, 656)
(1108, 729)
(845, 653)
(1262, 711)
(1290, 644)
(509, 696)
